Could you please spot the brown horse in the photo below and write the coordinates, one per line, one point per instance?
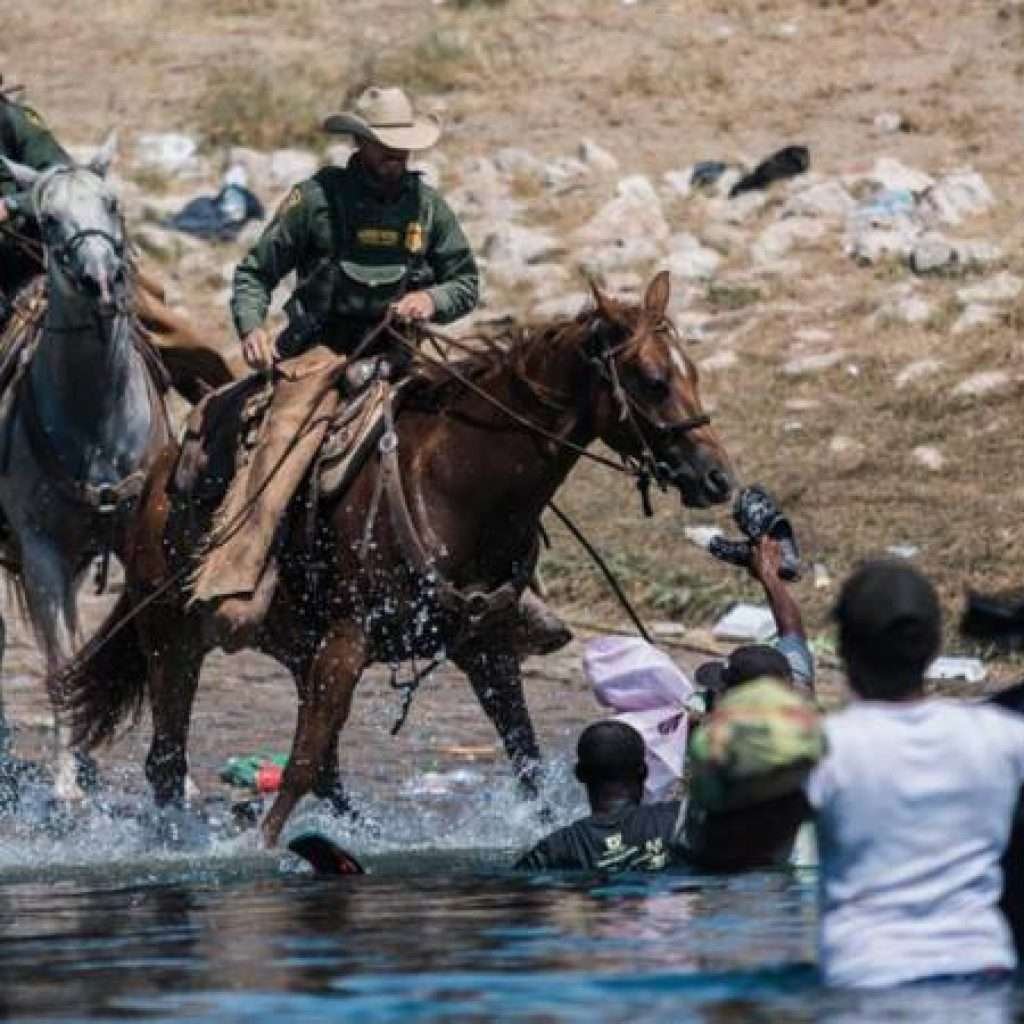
(473, 479)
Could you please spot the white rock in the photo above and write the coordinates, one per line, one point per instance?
(566, 304)
(677, 183)
(1001, 288)
(161, 243)
(634, 213)
(637, 188)
(171, 152)
(868, 244)
(960, 194)
(564, 173)
(847, 453)
(816, 362)
(290, 166)
(827, 199)
(483, 193)
(513, 243)
(519, 162)
(892, 174)
(621, 254)
(888, 122)
(977, 254)
(778, 239)
(972, 670)
(723, 360)
(932, 255)
(906, 308)
(753, 623)
(986, 382)
(975, 316)
(929, 457)
(690, 260)
(745, 207)
(597, 158)
(623, 283)
(812, 335)
(917, 370)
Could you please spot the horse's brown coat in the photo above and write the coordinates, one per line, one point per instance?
(476, 483)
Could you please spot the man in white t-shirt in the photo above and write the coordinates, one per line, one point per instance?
(913, 801)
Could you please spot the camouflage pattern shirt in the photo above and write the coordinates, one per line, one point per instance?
(24, 137)
(355, 251)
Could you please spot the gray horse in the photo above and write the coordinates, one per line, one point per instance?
(80, 431)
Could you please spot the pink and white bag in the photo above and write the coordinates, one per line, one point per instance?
(648, 691)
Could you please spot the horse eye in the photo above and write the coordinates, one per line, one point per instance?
(657, 388)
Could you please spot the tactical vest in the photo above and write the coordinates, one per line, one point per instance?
(379, 248)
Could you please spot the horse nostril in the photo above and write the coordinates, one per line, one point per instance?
(717, 484)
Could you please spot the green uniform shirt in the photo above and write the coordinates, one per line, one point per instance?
(354, 253)
(25, 138)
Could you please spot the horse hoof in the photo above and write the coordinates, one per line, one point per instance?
(87, 775)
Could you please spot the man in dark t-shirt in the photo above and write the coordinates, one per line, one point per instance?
(620, 833)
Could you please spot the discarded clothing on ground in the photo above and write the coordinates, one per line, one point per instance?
(788, 162)
(997, 619)
(218, 218)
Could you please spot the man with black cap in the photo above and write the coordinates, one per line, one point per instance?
(913, 801)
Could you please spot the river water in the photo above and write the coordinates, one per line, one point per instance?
(114, 915)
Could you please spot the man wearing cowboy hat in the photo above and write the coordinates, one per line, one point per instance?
(25, 138)
(362, 239)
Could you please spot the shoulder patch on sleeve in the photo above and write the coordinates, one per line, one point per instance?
(33, 118)
(290, 201)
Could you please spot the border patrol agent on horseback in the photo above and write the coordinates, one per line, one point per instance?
(362, 239)
(24, 137)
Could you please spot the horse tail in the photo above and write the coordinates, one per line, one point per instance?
(105, 683)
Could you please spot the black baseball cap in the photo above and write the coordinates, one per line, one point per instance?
(890, 613)
(752, 661)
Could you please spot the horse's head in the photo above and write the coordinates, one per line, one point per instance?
(82, 227)
(648, 406)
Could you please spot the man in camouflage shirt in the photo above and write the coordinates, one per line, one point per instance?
(25, 138)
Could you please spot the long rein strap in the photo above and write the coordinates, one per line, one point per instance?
(496, 403)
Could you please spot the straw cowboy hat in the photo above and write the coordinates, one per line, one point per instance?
(386, 116)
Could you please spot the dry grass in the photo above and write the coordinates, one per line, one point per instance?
(662, 85)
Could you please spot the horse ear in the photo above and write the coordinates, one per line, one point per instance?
(657, 295)
(601, 301)
(24, 175)
(101, 160)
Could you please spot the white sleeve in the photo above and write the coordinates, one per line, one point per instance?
(820, 784)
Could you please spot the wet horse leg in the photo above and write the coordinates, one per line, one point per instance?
(51, 604)
(498, 684)
(324, 703)
(5, 732)
(174, 662)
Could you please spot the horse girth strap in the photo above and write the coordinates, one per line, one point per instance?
(471, 606)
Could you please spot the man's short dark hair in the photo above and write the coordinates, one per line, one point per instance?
(890, 628)
(610, 752)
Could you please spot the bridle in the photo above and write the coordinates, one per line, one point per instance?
(601, 359)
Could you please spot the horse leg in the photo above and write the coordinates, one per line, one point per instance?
(497, 682)
(173, 678)
(328, 691)
(51, 605)
(5, 732)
